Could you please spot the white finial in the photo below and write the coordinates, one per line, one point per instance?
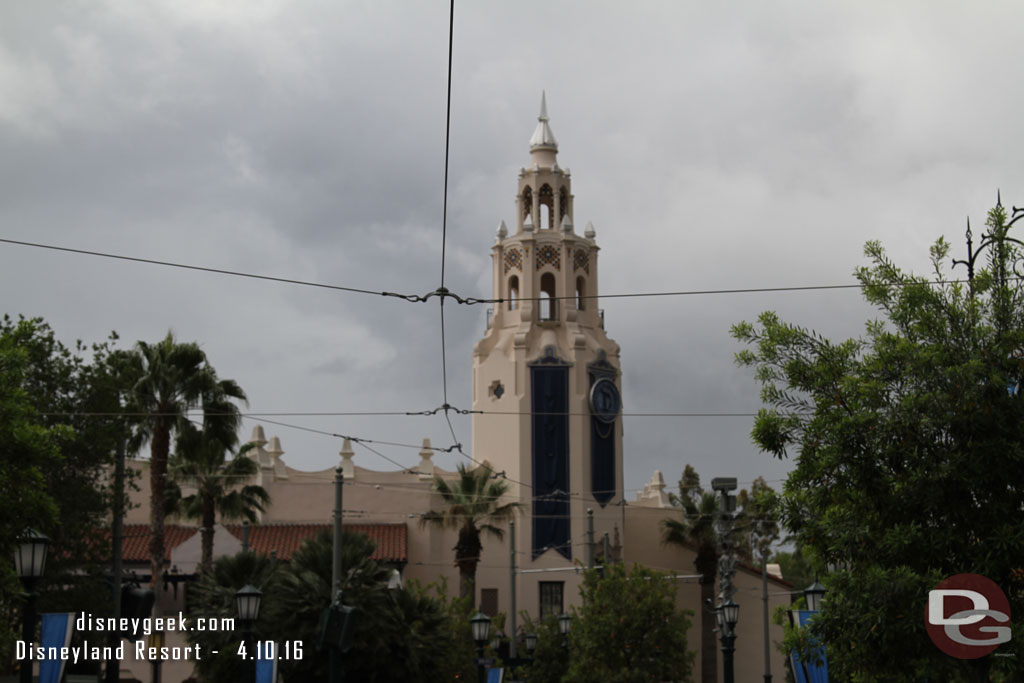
(426, 466)
(502, 230)
(275, 452)
(543, 106)
(348, 470)
(589, 232)
(528, 223)
(258, 437)
(566, 223)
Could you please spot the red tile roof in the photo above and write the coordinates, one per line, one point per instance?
(137, 537)
(391, 539)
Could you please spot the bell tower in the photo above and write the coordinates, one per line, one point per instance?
(546, 376)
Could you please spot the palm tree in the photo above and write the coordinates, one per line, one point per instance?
(202, 462)
(471, 505)
(696, 531)
(172, 379)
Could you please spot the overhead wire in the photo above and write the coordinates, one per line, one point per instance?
(444, 293)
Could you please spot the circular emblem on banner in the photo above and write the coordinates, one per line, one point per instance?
(967, 616)
(604, 400)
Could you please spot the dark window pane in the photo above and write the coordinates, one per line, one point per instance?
(550, 598)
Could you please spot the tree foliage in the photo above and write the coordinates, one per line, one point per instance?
(473, 507)
(695, 529)
(909, 454)
(401, 635)
(628, 629)
(220, 484)
(171, 378)
(58, 435)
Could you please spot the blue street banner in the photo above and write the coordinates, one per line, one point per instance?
(808, 670)
(56, 632)
(495, 675)
(266, 665)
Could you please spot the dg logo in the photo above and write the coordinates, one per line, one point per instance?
(964, 614)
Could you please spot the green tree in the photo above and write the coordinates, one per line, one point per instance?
(758, 522)
(201, 461)
(27, 450)
(472, 506)
(628, 629)
(909, 454)
(550, 663)
(401, 635)
(73, 393)
(173, 378)
(696, 531)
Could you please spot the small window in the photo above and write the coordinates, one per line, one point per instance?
(551, 598)
(489, 601)
(580, 293)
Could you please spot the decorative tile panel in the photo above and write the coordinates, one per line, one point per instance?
(548, 255)
(513, 259)
(581, 261)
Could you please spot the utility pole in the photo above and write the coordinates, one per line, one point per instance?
(764, 598)
(335, 653)
(117, 533)
(512, 587)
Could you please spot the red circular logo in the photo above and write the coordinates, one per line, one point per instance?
(967, 616)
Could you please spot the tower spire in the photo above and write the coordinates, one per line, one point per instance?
(543, 138)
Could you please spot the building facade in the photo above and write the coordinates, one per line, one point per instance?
(547, 417)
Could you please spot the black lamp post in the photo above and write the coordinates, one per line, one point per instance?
(248, 603)
(727, 616)
(29, 562)
(481, 626)
(814, 593)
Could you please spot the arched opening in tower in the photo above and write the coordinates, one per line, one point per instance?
(526, 205)
(548, 303)
(546, 196)
(580, 293)
(513, 293)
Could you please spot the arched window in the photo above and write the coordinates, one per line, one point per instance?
(580, 293)
(526, 205)
(513, 293)
(563, 204)
(548, 303)
(546, 197)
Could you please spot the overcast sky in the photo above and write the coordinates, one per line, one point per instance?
(712, 145)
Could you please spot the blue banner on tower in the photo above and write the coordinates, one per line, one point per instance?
(550, 405)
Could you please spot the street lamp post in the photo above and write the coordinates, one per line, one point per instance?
(29, 561)
(814, 593)
(728, 616)
(248, 603)
(564, 625)
(481, 627)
